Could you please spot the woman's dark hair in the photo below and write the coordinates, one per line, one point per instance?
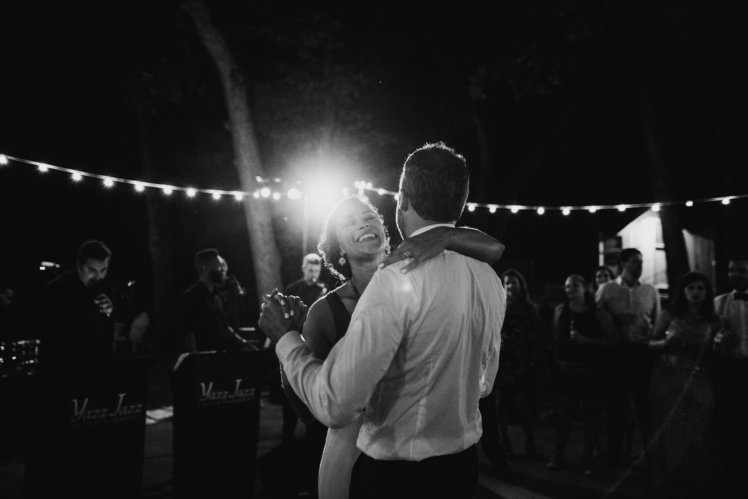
(588, 298)
(524, 297)
(679, 306)
(607, 270)
(329, 246)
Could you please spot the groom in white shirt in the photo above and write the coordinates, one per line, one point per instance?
(422, 348)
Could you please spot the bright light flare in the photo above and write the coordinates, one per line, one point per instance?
(265, 192)
(656, 207)
(471, 207)
(294, 193)
(3, 160)
(689, 203)
(541, 210)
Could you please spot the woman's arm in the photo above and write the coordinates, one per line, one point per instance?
(470, 242)
(659, 336)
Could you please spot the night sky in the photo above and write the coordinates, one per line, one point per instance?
(550, 102)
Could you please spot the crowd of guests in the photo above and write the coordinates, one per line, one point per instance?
(672, 377)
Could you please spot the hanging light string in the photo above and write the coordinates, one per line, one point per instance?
(362, 187)
(265, 191)
(269, 188)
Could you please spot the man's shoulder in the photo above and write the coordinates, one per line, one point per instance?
(297, 284)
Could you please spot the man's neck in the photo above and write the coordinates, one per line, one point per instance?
(421, 224)
(628, 279)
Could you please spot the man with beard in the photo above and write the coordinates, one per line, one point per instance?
(203, 324)
(732, 375)
(78, 319)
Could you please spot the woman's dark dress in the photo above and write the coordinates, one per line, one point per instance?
(683, 452)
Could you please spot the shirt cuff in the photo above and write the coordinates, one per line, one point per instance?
(287, 343)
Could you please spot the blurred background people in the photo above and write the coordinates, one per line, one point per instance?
(603, 275)
(731, 373)
(683, 456)
(583, 335)
(634, 307)
(203, 322)
(515, 383)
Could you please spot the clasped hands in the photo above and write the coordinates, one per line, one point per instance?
(280, 314)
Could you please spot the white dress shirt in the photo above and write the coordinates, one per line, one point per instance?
(735, 315)
(642, 300)
(420, 351)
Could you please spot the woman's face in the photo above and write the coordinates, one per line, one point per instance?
(601, 277)
(360, 231)
(695, 292)
(513, 287)
(574, 289)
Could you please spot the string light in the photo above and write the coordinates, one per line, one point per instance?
(360, 185)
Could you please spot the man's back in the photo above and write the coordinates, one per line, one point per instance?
(449, 312)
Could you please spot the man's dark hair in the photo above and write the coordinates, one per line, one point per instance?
(626, 255)
(436, 181)
(94, 250)
(204, 256)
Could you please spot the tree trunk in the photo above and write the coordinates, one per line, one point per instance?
(676, 255)
(265, 255)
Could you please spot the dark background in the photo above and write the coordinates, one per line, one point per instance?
(552, 103)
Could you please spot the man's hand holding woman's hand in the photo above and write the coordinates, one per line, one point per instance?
(281, 314)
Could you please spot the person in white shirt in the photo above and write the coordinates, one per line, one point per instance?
(634, 307)
(732, 375)
(421, 349)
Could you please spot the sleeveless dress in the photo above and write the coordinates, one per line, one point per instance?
(340, 453)
(683, 452)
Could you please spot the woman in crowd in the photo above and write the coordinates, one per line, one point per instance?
(583, 335)
(520, 334)
(683, 455)
(603, 274)
(353, 244)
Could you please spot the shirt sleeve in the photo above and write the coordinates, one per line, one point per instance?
(338, 389)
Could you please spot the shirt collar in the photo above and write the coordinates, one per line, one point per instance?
(620, 281)
(429, 227)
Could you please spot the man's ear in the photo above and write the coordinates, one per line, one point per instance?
(403, 199)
